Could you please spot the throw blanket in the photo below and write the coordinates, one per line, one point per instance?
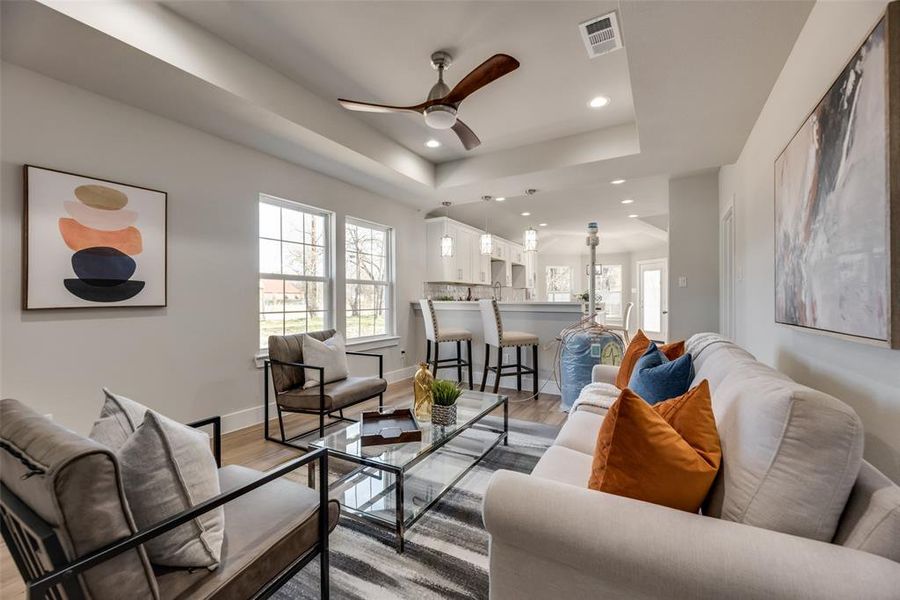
(596, 397)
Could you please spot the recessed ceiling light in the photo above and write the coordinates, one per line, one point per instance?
(542, 225)
(617, 181)
(632, 216)
(433, 144)
(598, 102)
(627, 201)
(500, 199)
(526, 214)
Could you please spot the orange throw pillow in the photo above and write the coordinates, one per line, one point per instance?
(667, 454)
(639, 344)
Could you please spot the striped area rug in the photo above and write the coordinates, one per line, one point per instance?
(446, 550)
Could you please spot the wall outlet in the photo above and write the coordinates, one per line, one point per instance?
(682, 281)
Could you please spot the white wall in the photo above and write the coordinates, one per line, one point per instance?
(866, 377)
(195, 357)
(693, 254)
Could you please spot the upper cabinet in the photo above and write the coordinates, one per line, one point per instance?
(467, 265)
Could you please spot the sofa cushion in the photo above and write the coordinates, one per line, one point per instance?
(871, 519)
(265, 530)
(564, 465)
(168, 468)
(636, 349)
(791, 454)
(667, 453)
(330, 354)
(579, 432)
(79, 494)
(337, 395)
(656, 378)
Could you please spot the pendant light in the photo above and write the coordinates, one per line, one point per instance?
(446, 239)
(487, 240)
(531, 240)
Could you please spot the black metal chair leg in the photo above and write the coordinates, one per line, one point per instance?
(469, 357)
(281, 423)
(534, 360)
(437, 352)
(459, 361)
(266, 401)
(519, 368)
(499, 369)
(380, 401)
(427, 351)
(324, 578)
(322, 424)
(487, 361)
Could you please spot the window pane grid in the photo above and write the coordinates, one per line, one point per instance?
(369, 280)
(293, 269)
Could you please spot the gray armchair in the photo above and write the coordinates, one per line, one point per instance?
(68, 526)
(289, 375)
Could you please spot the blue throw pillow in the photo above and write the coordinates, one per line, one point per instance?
(655, 378)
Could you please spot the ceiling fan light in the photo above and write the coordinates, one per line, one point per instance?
(440, 116)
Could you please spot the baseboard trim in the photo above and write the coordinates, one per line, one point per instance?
(248, 417)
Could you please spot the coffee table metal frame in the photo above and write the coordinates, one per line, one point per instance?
(400, 524)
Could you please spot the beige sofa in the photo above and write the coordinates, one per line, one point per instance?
(795, 512)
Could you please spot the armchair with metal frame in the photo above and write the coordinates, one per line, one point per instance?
(42, 550)
(288, 376)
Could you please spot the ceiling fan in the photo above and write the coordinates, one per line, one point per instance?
(439, 109)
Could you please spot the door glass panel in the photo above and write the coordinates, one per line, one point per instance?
(652, 284)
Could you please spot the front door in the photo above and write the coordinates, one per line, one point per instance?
(653, 298)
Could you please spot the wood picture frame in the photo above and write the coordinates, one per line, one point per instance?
(82, 248)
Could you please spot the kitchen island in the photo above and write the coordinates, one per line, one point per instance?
(544, 319)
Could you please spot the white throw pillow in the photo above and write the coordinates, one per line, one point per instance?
(331, 354)
(168, 468)
(119, 418)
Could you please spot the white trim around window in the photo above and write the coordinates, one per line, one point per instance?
(369, 279)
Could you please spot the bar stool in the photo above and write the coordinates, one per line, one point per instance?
(495, 336)
(434, 334)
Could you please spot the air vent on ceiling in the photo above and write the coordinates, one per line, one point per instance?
(601, 35)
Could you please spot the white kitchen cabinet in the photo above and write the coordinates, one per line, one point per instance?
(467, 265)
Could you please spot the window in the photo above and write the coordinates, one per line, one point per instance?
(294, 268)
(370, 279)
(608, 282)
(559, 284)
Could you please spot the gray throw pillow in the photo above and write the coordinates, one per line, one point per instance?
(119, 418)
(168, 468)
(331, 354)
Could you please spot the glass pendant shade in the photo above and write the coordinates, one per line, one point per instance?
(487, 244)
(531, 240)
(446, 246)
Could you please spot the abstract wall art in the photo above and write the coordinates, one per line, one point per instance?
(837, 202)
(91, 242)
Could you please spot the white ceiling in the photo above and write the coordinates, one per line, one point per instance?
(379, 52)
(685, 92)
(567, 213)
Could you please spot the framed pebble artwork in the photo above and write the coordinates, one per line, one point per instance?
(91, 242)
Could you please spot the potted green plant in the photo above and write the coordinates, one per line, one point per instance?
(445, 394)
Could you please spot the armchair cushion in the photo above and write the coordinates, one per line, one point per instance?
(289, 348)
(79, 494)
(330, 355)
(337, 394)
(265, 530)
(119, 418)
(168, 468)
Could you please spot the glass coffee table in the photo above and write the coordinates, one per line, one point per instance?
(393, 485)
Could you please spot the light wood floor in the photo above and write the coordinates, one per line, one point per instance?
(247, 447)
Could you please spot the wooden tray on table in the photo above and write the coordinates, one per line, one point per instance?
(389, 426)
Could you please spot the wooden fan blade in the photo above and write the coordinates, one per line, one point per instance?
(492, 69)
(378, 108)
(466, 136)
